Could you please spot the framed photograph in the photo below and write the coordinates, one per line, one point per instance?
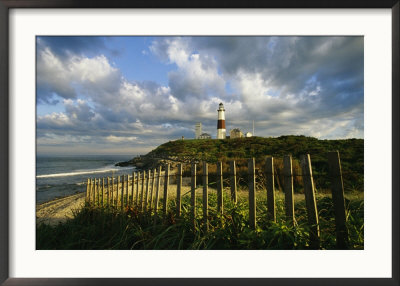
(171, 143)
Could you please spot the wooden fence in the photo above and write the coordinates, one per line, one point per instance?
(126, 191)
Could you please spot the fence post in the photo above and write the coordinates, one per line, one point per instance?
(146, 200)
(220, 188)
(108, 191)
(152, 188)
(88, 191)
(102, 193)
(137, 191)
(179, 190)
(94, 191)
(311, 204)
(133, 188)
(193, 193)
(96, 181)
(98, 191)
(335, 173)
(127, 191)
(288, 187)
(158, 189)
(130, 201)
(124, 182)
(269, 169)
(233, 181)
(142, 193)
(166, 183)
(205, 195)
(112, 191)
(117, 199)
(252, 193)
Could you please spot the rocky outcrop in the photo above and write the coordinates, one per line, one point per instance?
(148, 162)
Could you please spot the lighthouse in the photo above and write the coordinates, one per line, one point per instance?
(221, 131)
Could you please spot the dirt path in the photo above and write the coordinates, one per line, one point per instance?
(59, 210)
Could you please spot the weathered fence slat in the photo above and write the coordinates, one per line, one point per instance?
(220, 189)
(232, 168)
(127, 191)
(269, 169)
(153, 178)
(87, 191)
(252, 193)
(97, 187)
(166, 183)
(126, 200)
(146, 200)
(132, 190)
(193, 193)
(335, 173)
(108, 191)
(179, 190)
(137, 190)
(117, 193)
(112, 192)
(98, 191)
(122, 192)
(102, 193)
(205, 195)
(311, 204)
(157, 189)
(288, 187)
(143, 190)
(93, 192)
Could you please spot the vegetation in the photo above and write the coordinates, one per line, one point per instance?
(109, 228)
(351, 155)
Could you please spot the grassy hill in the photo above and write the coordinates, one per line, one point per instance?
(213, 150)
(351, 153)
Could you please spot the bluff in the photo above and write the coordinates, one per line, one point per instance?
(212, 150)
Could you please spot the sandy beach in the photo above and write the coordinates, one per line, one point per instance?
(59, 210)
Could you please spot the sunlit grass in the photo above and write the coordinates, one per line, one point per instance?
(109, 228)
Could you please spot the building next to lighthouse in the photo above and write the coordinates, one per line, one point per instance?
(221, 131)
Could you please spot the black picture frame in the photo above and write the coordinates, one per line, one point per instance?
(6, 5)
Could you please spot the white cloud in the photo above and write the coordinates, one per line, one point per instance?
(120, 139)
(288, 85)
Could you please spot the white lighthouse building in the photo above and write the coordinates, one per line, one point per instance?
(221, 131)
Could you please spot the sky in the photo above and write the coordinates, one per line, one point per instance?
(127, 95)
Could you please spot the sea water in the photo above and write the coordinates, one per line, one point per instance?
(60, 176)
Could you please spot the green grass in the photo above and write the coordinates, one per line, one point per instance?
(109, 228)
(240, 149)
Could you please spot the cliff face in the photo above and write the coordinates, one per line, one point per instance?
(147, 162)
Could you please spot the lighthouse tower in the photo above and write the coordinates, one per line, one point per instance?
(221, 131)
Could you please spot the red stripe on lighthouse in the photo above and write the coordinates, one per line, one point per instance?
(221, 124)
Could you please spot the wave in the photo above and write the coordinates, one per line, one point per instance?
(83, 172)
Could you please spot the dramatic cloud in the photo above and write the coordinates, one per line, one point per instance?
(288, 85)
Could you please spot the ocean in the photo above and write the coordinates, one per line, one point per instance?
(60, 176)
